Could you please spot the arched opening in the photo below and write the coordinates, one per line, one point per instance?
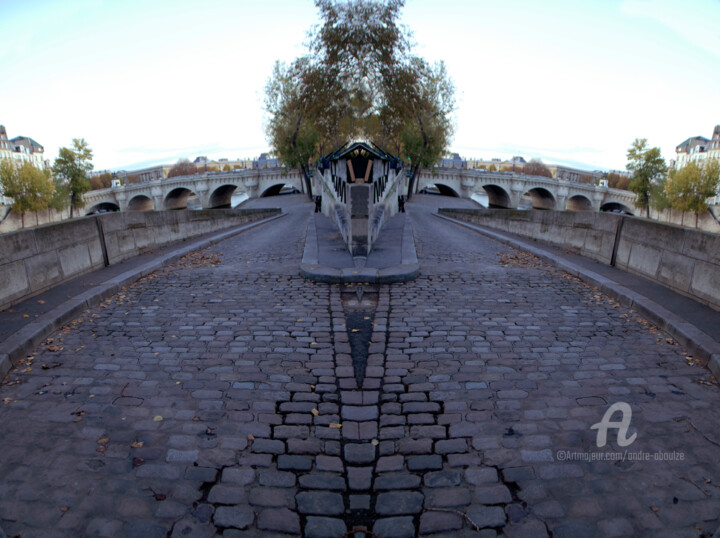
(578, 203)
(497, 197)
(540, 198)
(439, 188)
(141, 203)
(616, 207)
(182, 198)
(103, 207)
(222, 196)
(273, 190)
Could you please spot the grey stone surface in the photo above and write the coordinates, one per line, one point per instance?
(157, 397)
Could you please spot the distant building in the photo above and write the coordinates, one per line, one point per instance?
(22, 149)
(454, 161)
(265, 161)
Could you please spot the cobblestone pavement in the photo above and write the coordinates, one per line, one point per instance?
(221, 397)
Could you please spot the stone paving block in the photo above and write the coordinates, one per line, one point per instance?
(433, 522)
(287, 462)
(324, 527)
(424, 463)
(238, 517)
(320, 503)
(359, 478)
(280, 520)
(395, 481)
(399, 503)
(359, 453)
(397, 527)
(327, 481)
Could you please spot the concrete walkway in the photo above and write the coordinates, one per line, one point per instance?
(221, 396)
(392, 259)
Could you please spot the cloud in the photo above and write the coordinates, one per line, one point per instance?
(696, 21)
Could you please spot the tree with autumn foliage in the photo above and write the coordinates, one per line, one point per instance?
(536, 168)
(359, 80)
(182, 168)
(689, 188)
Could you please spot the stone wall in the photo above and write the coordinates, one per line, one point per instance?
(33, 260)
(11, 221)
(685, 260)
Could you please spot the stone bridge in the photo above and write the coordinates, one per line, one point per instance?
(213, 190)
(505, 189)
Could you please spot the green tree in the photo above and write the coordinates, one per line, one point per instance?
(71, 167)
(689, 188)
(359, 80)
(648, 167)
(30, 188)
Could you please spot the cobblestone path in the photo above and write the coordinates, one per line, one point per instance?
(225, 396)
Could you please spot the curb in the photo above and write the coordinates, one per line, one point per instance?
(312, 269)
(697, 342)
(29, 337)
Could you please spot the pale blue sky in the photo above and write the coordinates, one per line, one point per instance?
(156, 80)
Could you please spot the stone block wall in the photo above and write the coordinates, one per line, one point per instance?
(685, 260)
(34, 260)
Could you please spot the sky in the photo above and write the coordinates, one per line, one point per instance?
(569, 82)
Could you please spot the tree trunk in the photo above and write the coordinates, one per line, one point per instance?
(306, 177)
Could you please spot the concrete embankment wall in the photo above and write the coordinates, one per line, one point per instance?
(33, 260)
(685, 260)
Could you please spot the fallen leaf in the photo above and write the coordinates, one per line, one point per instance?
(25, 316)
(335, 425)
(374, 442)
(356, 330)
(103, 440)
(40, 301)
(137, 444)
(654, 508)
(315, 412)
(137, 462)
(251, 437)
(101, 448)
(7, 400)
(157, 418)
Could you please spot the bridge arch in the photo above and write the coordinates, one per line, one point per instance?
(141, 202)
(616, 207)
(222, 196)
(497, 196)
(578, 202)
(103, 206)
(178, 198)
(272, 190)
(541, 198)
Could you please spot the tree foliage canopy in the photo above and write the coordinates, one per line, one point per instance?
(536, 168)
(71, 168)
(648, 168)
(182, 168)
(31, 188)
(359, 80)
(689, 188)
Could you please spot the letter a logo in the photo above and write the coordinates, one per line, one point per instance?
(622, 427)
